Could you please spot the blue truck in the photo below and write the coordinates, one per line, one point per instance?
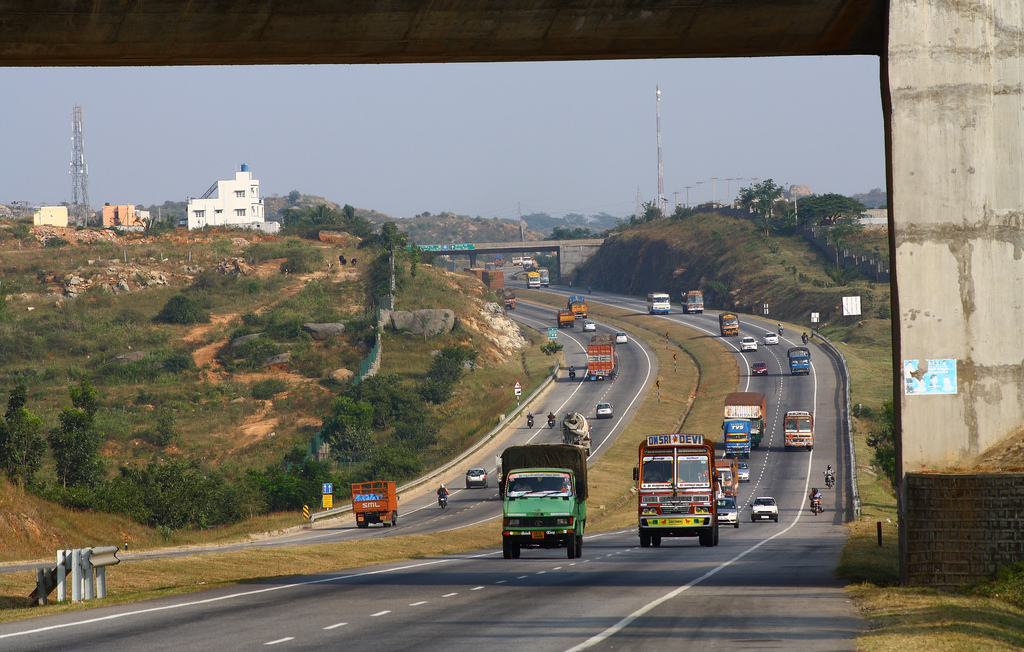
(799, 360)
(737, 438)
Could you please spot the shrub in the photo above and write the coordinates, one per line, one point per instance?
(266, 389)
(181, 309)
(551, 348)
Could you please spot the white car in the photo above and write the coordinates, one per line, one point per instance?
(764, 509)
(727, 512)
(589, 326)
(748, 344)
(620, 338)
(604, 410)
(771, 338)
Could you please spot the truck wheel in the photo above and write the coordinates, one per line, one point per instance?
(736, 525)
(361, 524)
(506, 548)
(706, 538)
(714, 542)
(394, 519)
(656, 540)
(645, 539)
(579, 546)
(515, 549)
(570, 548)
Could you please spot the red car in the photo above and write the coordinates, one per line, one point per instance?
(759, 368)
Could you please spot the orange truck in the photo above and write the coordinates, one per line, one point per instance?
(510, 299)
(578, 305)
(375, 502)
(601, 360)
(676, 487)
(566, 319)
(799, 429)
(728, 476)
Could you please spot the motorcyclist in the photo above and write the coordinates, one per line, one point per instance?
(572, 372)
(815, 495)
(804, 338)
(829, 475)
(551, 417)
(529, 418)
(442, 494)
(780, 328)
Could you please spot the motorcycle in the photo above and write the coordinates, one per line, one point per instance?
(830, 480)
(529, 421)
(816, 506)
(780, 330)
(551, 422)
(442, 501)
(572, 374)
(804, 338)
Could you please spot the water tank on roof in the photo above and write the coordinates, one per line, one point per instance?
(245, 167)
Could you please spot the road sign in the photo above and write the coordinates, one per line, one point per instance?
(448, 247)
(328, 488)
(328, 501)
(552, 333)
(519, 389)
(766, 308)
(814, 318)
(305, 512)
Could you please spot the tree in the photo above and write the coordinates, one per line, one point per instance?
(181, 309)
(21, 439)
(651, 211)
(446, 370)
(75, 443)
(760, 199)
(839, 232)
(565, 233)
(884, 442)
(349, 426)
(293, 197)
(828, 208)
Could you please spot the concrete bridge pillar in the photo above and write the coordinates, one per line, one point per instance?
(571, 256)
(472, 259)
(954, 73)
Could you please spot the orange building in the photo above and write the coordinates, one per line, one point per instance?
(122, 215)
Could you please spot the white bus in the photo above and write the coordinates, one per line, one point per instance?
(658, 303)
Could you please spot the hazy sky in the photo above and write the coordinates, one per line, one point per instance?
(475, 139)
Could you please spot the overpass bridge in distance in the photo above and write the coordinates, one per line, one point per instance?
(570, 254)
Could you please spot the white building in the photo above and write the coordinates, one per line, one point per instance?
(231, 203)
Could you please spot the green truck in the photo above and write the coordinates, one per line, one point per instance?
(544, 498)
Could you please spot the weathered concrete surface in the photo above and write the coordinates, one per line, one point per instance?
(955, 76)
(181, 32)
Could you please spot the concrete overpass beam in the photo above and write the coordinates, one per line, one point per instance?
(955, 74)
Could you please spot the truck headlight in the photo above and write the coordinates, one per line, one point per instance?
(701, 510)
(650, 511)
(512, 521)
(564, 520)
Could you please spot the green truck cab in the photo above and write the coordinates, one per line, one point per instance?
(544, 498)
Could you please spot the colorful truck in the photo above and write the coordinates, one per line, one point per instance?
(576, 431)
(798, 427)
(799, 360)
(544, 498)
(545, 276)
(748, 406)
(693, 302)
(658, 304)
(728, 324)
(510, 299)
(676, 484)
(375, 502)
(601, 359)
(578, 305)
(728, 477)
(566, 319)
(532, 280)
(737, 438)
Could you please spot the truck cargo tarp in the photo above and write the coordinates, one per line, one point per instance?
(549, 456)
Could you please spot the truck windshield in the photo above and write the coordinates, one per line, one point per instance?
(545, 484)
(657, 470)
(798, 425)
(693, 471)
(731, 321)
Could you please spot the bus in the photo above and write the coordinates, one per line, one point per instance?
(658, 303)
(677, 485)
(532, 280)
(545, 278)
(728, 324)
(799, 429)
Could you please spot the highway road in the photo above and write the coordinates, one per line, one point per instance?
(766, 586)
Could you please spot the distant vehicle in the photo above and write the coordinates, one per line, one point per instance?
(532, 280)
(517, 261)
(589, 326)
(743, 471)
(799, 428)
(764, 509)
(737, 437)
(728, 479)
(604, 411)
(527, 262)
(375, 502)
(576, 431)
(620, 338)
(799, 360)
(771, 338)
(748, 344)
(499, 260)
(578, 305)
(510, 299)
(566, 319)
(727, 512)
(545, 276)
(601, 359)
(658, 304)
(728, 324)
(759, 369)
(476, 478)
(752, 406)
(693, 301)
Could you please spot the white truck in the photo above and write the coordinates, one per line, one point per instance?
(576, 431)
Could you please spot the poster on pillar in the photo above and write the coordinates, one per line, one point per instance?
(933, 377)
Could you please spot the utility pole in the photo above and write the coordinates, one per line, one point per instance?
(675, 199)
(662, 203)
(698, 192)
(688, 196)
(714, 191)
(728, 190)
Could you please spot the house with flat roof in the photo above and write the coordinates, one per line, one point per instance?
(232, 203)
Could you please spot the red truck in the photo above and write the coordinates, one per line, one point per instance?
(601, 360)
(375, 502)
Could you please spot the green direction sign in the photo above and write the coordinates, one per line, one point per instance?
(446, 247)
(552, 333)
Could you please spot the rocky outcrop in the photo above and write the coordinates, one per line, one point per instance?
(244, 338)
(321, 332)
(342, 375)
(278, 362)
(431, 321)
(125, 358)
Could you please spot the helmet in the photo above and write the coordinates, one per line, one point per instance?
(829, 467)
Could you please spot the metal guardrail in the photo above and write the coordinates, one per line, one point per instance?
(848, 420)
(433, 475)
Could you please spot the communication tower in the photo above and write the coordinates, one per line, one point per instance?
(79, 170)
(662, 201)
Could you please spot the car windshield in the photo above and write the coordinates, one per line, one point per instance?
(764, 501)
(603, 406)
(727, 502)
(476, 471)
(743, 465)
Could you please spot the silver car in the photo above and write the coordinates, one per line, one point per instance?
(771, 338)
(604, 410)
(620, 338)
(476, 478)
(727, 512)
(748, 344)
(589, 326)
(743, 472)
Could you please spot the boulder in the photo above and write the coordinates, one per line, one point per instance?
(244, 338)
(278, 361)
(433, 321)
(123, 286)
(321, 332)
(402, 320)
(341, 375)
(125, 358)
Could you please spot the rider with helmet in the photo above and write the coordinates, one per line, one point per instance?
(442, 494)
